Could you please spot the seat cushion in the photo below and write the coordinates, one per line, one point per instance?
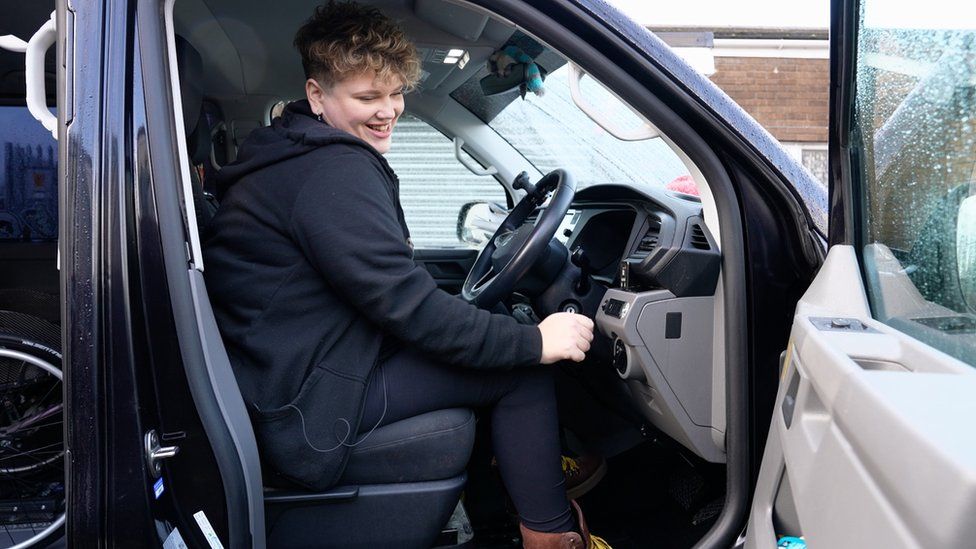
(431, 446)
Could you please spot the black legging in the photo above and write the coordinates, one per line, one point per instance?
(524, 424)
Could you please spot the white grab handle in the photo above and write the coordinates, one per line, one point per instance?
(38, 45)
(10, 42)
(646, 131)
(471, 166)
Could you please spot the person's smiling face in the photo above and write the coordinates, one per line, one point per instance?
(361, 105)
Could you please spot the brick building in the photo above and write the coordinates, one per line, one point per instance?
(779, 76)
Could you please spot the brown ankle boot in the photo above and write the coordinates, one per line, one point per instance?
(547, 540)
(563, 540)
(582, 474)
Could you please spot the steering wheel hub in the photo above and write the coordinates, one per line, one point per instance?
(517, 244)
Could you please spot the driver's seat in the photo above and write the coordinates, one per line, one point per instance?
(398, 489)
(399, 485)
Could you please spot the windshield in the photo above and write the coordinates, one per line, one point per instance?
(552, 132)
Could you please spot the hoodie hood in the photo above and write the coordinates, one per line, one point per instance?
(296, 132)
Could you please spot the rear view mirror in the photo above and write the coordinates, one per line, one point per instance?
(494, 84)
(942, 259)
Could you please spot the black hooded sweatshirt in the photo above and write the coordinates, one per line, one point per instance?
(309, 270)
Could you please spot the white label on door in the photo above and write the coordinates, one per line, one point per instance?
(208, 531)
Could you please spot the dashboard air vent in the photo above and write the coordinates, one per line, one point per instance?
(698, 239)
(650, 238)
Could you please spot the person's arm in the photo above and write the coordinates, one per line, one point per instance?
(345, 221)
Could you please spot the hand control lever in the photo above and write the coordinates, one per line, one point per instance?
(522, 182)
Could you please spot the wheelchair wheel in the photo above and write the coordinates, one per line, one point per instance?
(32, 496)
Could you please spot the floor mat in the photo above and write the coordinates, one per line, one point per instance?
(653, 496)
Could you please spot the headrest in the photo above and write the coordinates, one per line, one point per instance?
(198, 143)
(190, 69)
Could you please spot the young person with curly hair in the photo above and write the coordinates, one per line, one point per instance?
(332, 328)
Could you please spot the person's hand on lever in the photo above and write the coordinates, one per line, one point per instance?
(565, 336)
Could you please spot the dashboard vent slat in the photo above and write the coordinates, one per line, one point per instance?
(650, 239)
(698, 238)
(647, 244)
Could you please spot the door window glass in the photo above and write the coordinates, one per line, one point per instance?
(28, 178)
(434, 186)
(915, 126)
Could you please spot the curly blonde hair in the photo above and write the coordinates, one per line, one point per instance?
(344, 39)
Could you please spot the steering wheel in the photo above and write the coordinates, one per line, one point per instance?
(516, 245)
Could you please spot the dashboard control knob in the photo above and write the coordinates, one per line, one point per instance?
(620, 362)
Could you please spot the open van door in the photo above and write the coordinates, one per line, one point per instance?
(871, 443)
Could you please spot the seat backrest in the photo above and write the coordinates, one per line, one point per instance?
(198, 138)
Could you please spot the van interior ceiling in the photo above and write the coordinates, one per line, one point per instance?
(661, 425)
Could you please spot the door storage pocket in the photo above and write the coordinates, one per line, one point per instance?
(307, 440)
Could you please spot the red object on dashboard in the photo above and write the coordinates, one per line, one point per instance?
(683, 184)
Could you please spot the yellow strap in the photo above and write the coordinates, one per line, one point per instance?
(569, 464)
